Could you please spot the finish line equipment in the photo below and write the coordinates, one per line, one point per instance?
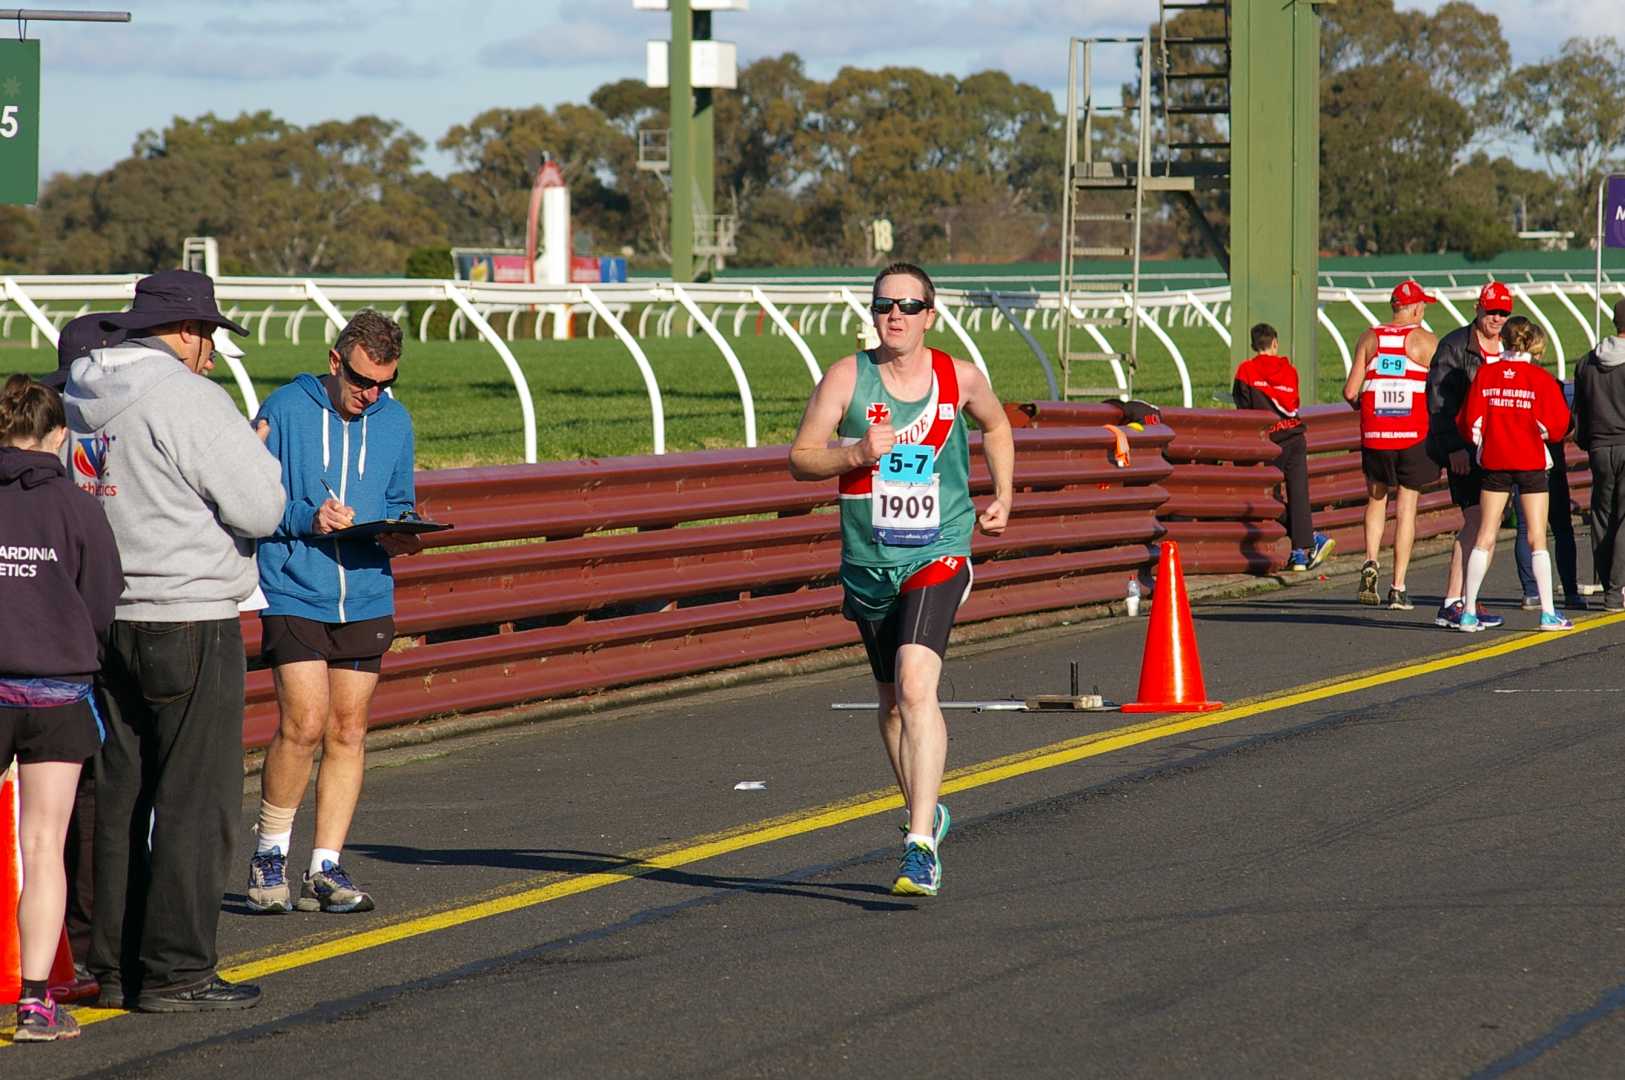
(11, 890)
(1171, 670)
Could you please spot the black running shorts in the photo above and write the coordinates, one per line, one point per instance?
(58, 733)
(1527, 481)
(1411, 467)
(359, 646)
(927, 602)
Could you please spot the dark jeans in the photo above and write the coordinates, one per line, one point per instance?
(172, 765)
(1607, 515)
(1294, 466)
(78, 857)
(1561, 522)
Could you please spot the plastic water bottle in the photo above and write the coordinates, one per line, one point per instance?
(1132, 601)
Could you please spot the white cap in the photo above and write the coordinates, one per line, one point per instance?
(225, 345)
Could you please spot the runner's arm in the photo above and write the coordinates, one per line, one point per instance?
(998, 447)
(811, 456)
(1363, 350)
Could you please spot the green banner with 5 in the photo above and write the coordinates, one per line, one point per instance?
(19, 121)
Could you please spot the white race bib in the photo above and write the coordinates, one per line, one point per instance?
(1393, 396)
(906, 514)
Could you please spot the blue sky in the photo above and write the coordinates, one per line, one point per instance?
(432, 63)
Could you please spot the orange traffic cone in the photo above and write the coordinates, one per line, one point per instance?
(11, 881)
(1171, 671)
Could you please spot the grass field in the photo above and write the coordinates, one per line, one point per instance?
(590, 399)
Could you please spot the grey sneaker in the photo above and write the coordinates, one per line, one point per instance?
(330, 889)
(1613, 600)
(1368, 584)
(1399, 600)
(268, 891)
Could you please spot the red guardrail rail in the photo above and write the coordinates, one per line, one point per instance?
(1222, 505)
(620, 571)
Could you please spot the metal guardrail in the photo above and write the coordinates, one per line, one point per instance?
(622, 575)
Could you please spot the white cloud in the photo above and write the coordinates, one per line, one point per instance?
(385, 64)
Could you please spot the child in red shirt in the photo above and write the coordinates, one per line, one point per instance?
(1269, 381)
(1515, 407)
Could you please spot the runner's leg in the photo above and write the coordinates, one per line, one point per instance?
(923, 747)
(1404, 532)
(45, 798)
(344, 742)
(1466, 537)
(1376, 517)
(891, 733)
(1532, 507)
(1491, 505)
(301, 696)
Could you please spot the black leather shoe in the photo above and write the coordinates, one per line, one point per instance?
(214, 994)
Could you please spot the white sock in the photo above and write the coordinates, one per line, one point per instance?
(1541, 563)
(280, 841)
(318, 855)
(1478, 567)
(927, 842)
(1454, 600)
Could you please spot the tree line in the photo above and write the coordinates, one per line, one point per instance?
(1421, 115)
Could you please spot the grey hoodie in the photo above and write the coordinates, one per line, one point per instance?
(1599, 395)
(184, 480)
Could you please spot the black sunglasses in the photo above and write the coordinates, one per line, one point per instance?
(882, 305)
(361, 382)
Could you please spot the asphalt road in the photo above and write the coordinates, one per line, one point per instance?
(1413, 874)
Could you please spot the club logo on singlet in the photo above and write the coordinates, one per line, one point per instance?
(878, 412)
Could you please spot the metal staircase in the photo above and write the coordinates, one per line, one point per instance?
(1166, 134)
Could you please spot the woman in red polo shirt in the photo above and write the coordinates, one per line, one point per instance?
(1515, 407)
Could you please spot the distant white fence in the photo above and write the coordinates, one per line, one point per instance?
(720, 309)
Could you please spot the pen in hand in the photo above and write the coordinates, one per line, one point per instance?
(345, 521)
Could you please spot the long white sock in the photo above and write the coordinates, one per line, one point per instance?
(1541, 563)
(1478, 566)
(318, 855)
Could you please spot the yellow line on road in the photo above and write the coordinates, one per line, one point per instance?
(830, 815)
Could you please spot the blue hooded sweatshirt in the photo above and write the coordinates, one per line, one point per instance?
(368, 461)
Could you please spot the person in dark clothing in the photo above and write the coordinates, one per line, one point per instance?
(1269, 381)
(60, 577)
(1454, 366)
(1599, 414)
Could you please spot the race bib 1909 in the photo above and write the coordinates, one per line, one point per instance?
(906, 514)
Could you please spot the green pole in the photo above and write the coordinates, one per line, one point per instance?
(1275, 177)
(682, 143)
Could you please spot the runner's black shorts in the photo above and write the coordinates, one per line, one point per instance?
(1410, 467)
(923, 614)
(358, 646)
(1526, 481)
(57, 733)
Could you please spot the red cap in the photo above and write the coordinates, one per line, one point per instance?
(1495, 297)
(1408, 292)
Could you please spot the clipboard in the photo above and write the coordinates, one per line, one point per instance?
(367, 530)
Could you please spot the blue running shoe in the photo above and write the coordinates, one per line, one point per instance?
(1449, 615)
(920, 873)
(1551, 621)
(1468, 623)
(268, 891)
(1298, 560)
(1488, 621)
(939, 824)
(330, 889)
(1321, 550)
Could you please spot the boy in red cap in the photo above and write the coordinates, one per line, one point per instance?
(1269, 381)
(1388, 382)
(1454, 366)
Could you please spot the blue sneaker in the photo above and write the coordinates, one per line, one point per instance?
(1550, 621)
(1488, 621)
(919, 874)
(1321, 550)
(1468, 623)
(1298, 561)
(268, 891)
(1448, 615)
(330, 889)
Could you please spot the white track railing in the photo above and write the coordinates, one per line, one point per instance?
(792, 308)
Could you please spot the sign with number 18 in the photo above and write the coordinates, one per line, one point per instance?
(19, 121)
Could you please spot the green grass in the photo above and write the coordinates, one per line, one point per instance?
(590, 399)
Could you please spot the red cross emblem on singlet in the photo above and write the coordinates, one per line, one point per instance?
(879, 412)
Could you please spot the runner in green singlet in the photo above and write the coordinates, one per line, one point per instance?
(903, 460)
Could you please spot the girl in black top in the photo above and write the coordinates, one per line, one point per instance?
(59, 582)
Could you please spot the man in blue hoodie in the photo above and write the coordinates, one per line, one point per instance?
(347, 455)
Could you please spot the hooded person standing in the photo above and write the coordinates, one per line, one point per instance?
(187, 486)
(346, 449)
(1599, 416)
